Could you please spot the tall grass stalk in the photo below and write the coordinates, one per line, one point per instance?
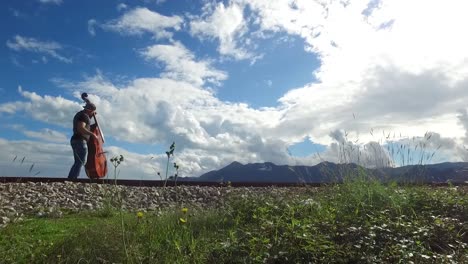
(30, 170)
(169, 154)
(116, 162)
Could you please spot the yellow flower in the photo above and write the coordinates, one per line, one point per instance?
(140, 214)
(184, 210)
(182, 220)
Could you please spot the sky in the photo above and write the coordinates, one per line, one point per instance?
(297, 82)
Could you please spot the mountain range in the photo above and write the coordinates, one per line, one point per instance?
(455, 172)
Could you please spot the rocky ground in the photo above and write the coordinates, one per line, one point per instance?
(21, 200)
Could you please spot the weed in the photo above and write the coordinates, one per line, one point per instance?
(169, 154)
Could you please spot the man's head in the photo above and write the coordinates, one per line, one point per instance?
(90, 108)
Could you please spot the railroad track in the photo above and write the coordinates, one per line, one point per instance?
(153, 183)
(159, 183)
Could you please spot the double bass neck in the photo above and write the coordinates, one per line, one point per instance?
(100, 130)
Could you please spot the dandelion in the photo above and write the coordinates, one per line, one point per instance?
(182, 220)
(140, 215)
(184, 210)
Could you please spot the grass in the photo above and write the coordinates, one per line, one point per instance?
(149, 239)
(360, 221)
(88, 238)
(31, 239)
(357, 222)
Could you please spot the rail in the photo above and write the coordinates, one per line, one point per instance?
(160, 183)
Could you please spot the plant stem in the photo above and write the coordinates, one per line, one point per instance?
(167, 169)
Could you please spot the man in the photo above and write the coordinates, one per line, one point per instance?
(81, 134)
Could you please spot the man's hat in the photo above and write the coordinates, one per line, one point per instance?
(90, 106)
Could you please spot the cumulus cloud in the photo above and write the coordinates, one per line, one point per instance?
(56, 2)
(50, 48)
(142, 20)
(91, 27)
(463, 119)
(388, 150)
(368, 50)
(180, 64)
(44, 134)
(47, 135)
(16, 13)
(121, 6)
(48, 109)
(227, 25)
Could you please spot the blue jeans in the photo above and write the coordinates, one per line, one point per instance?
(80, 151)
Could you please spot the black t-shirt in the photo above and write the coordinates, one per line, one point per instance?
(80, 117)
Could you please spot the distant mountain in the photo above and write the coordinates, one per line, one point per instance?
(331, 172)
(455, 172)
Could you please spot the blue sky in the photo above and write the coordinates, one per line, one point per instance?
(252, 81)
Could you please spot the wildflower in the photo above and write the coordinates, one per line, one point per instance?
(184, 210)
(140, 214)
(182, 220)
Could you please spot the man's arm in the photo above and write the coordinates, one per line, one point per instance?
(83, 130)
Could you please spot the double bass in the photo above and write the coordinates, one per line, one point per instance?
(96, 162)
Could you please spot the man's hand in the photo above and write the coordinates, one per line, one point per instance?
(83, 131)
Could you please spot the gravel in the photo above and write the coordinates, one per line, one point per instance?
(21, 200)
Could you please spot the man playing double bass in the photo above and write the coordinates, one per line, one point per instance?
(81, 134)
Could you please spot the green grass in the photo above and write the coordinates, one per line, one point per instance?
(31, 239)
(88, 238)
(357, 222)
(360, 221)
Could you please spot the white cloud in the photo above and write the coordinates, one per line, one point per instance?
(463, 119)
(142, 20)
(91, 27)
(388, 149)
(48, 109)
(16, 13)
(121, 6)
(180, 64)
(50, 48)
(56, 2)
(16, 62)
(47, 135)
(44, 134)
(227, 24)
(389, 62)
(303, 18)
